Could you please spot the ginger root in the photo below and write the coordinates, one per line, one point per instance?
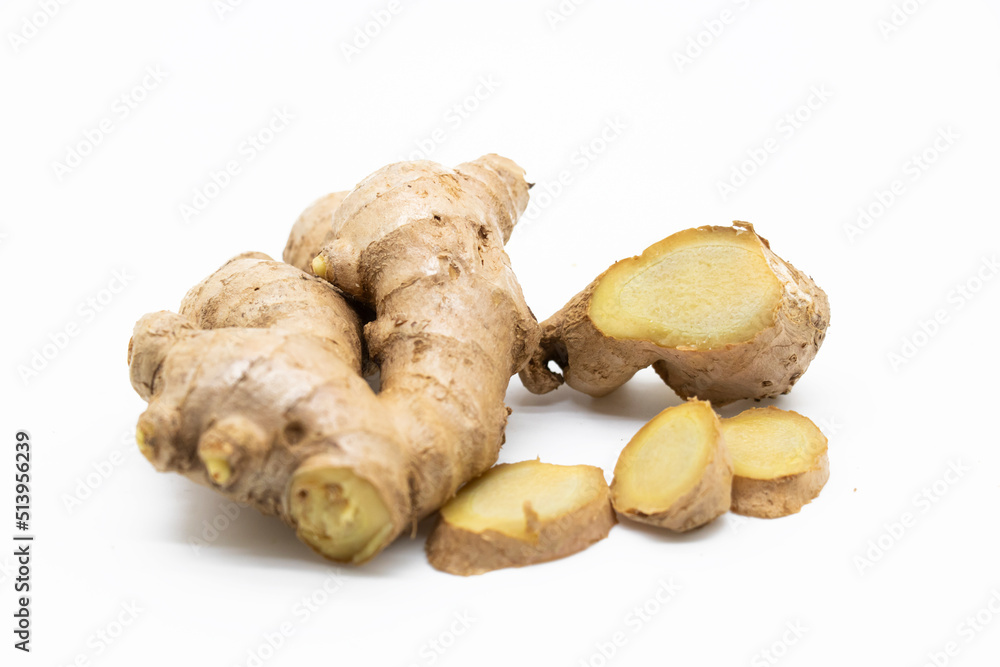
(255, 388)
(718, 315)
(675, 473)
(521, 513)
(780, 461)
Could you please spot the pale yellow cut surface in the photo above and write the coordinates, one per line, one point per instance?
(339, 514)
(666, 459)
(506, 496)
(700, 288)
(768, 443)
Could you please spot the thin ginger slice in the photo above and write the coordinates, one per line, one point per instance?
(780, 460)
(521, 513)
(675, 473)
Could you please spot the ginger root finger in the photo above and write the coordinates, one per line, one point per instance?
(422, 245)
(250, 293)
(718, 315)
(521, 513)
(309, 231)
(780, 460)
(675, 473)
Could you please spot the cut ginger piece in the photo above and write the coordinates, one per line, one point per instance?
(675, 473)
(717, 314)
(521, 513)
(780, 461)
(701, 289)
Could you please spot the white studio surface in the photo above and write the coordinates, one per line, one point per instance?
(145, 144)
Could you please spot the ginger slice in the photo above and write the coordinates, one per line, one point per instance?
(675, 473)
(780, 461)
(521, 513)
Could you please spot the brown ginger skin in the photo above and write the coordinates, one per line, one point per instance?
(255, 388)
(775, 498)
(764, 367)
(310, 230)
(466, 553)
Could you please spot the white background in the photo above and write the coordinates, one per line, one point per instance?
(864, 591)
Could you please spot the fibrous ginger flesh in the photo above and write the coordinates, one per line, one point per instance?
(701, 289)
(767, 443)
(666, 458)
(507, 496)
(340, 514)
